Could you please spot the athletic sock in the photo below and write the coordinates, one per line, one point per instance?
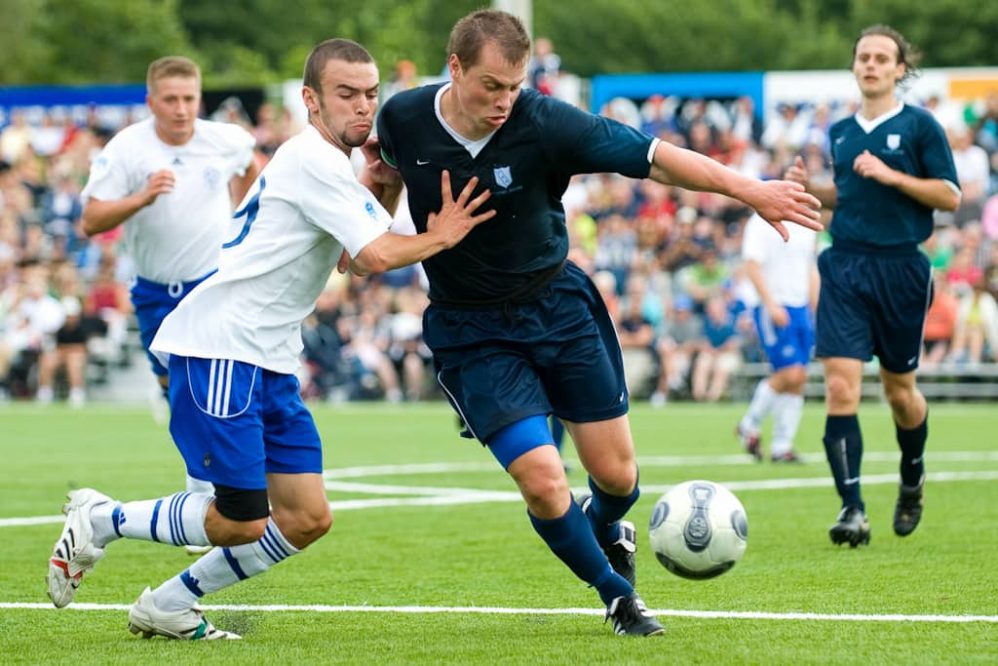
(177, 519)
(571, 539)
(759, 408)
(222, 567)
(844, 448)
(787, 411)
(912, 443)
(199, 486)
(605, 510)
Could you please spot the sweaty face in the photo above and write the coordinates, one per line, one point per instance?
(876, 66)
(487, 90)
(175, 101)
(347, 103)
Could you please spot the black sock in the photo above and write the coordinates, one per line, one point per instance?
(912, 443)
(605, 510)
(844, 448)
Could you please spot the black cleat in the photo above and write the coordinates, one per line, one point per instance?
(631, 617)
(851, 527)
(908, 510)
(620, 553)
(751, 441)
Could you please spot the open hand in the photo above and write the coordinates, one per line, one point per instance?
(380, 172)
(779, 201)
(456, 217)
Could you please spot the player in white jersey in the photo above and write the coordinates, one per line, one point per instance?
(171, 180)
(784, 275)
(233, 347)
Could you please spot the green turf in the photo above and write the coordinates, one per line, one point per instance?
(486, 554)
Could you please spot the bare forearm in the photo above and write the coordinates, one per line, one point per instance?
(390, 251)
(825, 193)
(688, 169)
(101, 216)
(930, 192)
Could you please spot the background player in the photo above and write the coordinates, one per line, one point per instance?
(234, 346)
(518, 332)
(892, 167)
(171, 180)
(785, 278)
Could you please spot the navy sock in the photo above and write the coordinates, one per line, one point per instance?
(570, 538)
(844, 448)
(605, 510)
(912, 443)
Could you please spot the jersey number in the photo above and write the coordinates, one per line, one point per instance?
(250, 210)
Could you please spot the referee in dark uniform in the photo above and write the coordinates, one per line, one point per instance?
(892, 167)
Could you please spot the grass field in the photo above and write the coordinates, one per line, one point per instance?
(431, 558)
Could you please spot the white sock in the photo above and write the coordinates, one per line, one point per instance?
(787, 411)
(199, 486)
(177, 520)
(759, 408)
(223, 567)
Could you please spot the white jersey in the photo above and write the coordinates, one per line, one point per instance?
(786, 267)
(176, 238)
(306, 207)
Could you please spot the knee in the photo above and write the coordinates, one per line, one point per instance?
(617, 479)
(900, 398)
(222, 531)
(796, 378)
(543, 487)
(304, 526)
(840, 391)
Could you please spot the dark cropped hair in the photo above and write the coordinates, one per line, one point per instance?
(331, 49)
(471, 33)
(907, 54)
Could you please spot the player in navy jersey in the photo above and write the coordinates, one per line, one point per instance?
(892, 167)
(518, 332)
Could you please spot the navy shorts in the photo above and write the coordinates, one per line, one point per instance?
(873, 304)
(152, 302)
(234, 422)
(556, 354)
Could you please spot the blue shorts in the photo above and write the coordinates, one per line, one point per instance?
(152, 302)
(234, 422)
(789, 345)
(873, 304)
(556, 354)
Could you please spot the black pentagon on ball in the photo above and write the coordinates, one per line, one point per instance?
(659, 514)
(739, 523)
(683, 572)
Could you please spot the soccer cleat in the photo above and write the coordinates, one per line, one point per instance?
(751, 441)
(788, 457)
(74, 553)
(620, 553)
(631, 617)
(851, 527)
(185, 625)
(908, 510)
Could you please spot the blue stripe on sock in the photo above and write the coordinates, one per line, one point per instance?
(171, 518)
(192, 583)
(180, 519)
(269, 549)
(116, 519)
(155, 519)
(234, 564)
(272, 533)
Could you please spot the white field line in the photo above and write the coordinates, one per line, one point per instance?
(456, 496)
(488, 610)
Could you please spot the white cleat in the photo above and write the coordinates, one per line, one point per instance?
(185, 625)
(74, 553)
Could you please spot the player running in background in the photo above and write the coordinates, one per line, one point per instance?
(786, 281)
(892, 167)
(233, 346)
(171, 180)
(518, 332)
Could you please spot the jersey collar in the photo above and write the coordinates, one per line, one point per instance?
(870, 125)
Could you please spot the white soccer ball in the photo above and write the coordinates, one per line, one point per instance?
(698, 530)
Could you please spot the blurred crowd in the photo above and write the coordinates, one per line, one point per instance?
(666, 260)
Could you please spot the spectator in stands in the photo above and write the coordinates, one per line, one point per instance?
(940, 322)
(36, 316)
(973, 170)
(406, 349)
(15, 139)
(976, 335)
(704, 280)
(719, 357)
(544, 67)
(681, 339)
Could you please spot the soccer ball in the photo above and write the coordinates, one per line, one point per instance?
(698, 530)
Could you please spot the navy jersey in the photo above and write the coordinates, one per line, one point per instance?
(526, 164)
(870, 213)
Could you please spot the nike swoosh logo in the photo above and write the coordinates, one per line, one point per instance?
(422, 162)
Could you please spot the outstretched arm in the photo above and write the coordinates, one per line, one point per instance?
(776, 201)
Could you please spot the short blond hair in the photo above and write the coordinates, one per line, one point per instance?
(171, 66)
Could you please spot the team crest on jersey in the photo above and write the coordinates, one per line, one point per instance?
(503, 176)
(369, 207)
(893, 141)
(212, 177)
